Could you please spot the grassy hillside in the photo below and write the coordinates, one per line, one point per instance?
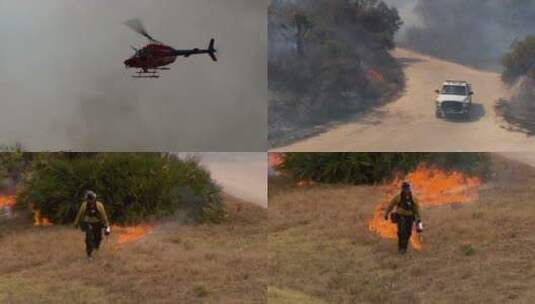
(172, 264)
(321, 250)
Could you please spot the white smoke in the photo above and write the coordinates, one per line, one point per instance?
(63, 84)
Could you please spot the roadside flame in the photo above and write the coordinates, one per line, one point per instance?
(432, 187)
(39, 220)
(7, 200)
(6, 205)
(274, 159)
(374, 74)
(305, 183)
(129, 234)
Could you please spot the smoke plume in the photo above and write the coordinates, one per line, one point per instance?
(475, 32)
(64, 87)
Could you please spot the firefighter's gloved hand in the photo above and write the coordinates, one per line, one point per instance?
(107, 231)
(386, 216)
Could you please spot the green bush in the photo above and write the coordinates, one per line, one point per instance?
(214, 213)
(132, 186)
(520, 61)
(13, 162)
(200, 291)
(468, 250)
(367, 168)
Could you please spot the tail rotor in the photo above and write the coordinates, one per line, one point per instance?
(211, 50)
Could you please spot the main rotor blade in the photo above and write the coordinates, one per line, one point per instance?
(137, 26)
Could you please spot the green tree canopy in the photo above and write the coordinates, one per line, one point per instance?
(132, 186)
(520, 61)
(369, 168)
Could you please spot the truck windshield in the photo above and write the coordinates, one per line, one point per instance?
(453, 90)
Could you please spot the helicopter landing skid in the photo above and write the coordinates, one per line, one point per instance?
(146, 74)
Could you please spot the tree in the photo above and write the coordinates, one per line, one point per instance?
(133, 186)
(520, 61)
(367, 168)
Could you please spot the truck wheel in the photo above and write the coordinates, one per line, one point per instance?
(438, 114)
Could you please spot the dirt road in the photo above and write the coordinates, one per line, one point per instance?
(527, 158)
(409, 123)
(241, 174)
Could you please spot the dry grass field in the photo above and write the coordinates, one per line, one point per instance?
(172, 263)
(321, 250)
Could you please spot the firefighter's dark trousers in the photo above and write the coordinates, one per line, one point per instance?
(93, 236)
(405, 223)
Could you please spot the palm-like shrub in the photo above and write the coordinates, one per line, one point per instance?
(132, 186)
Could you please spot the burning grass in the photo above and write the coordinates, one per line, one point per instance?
(130, 234)
(7, 200)
(274, 159)
(172, 264)
(480, 252)
(432, 187)
(6, 206)
(39, 220)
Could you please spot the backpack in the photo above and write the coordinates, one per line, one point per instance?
(91, 210)
(406, 202)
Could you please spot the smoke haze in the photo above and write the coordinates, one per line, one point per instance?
(475, 32)
(64, 87)
(241, 174)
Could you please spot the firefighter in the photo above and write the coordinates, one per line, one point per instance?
(92, 219)
(406, 213)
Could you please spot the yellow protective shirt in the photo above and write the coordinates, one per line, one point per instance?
(89, 219)
(395, 202)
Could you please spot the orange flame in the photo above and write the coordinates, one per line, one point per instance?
(374, 74)
(274, 159)
(6, 205)
(432, 187)
(129, 234)
(305, 183)
(39, 220)
(7, 200)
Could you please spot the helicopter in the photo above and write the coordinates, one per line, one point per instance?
(156, 56)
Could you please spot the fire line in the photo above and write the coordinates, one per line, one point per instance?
(433, 187)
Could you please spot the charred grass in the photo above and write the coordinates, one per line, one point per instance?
(322, 252)
(174, 263)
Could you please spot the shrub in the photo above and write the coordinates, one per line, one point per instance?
(214, 213)
(132, 186)
(201, 291)
(365, 168)
(520, 61)
(468, 250)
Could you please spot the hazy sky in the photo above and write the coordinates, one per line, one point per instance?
(408, 15)
(63, 84)
(243, 175)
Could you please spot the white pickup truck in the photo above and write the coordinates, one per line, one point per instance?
(454, 98)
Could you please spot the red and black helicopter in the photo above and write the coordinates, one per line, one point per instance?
(156, 55)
